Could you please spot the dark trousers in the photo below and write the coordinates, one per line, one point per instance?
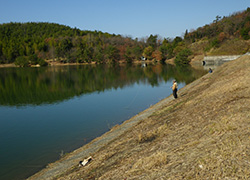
(175, 93)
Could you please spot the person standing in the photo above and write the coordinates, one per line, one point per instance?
(175, 88)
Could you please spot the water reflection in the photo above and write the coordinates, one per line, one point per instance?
(45, 111)
(36, 86)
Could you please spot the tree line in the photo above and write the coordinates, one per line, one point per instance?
(31, 43)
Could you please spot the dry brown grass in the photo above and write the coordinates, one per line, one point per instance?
(204, 134)
(198, 47)
(228, 47)
(231, 47)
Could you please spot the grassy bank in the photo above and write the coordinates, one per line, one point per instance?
(204, 134)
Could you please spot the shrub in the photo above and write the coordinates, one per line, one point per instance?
(215, 43)
(25, 61)
(42, 62)
(244, 33)
(22, 61)
(33, 59)
(147, 137)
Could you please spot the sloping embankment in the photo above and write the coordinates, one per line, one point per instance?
(204, 134)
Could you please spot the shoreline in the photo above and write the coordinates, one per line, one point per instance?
(55, 63)
(58, 167)
(72, 159)
(201, 135)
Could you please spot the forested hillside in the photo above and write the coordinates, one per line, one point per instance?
(32, 43)
(225, 35)
(236, 25)
(54, 41)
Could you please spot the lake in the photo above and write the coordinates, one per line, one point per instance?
(47, 112)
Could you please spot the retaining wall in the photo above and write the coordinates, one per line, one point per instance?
(217, 60)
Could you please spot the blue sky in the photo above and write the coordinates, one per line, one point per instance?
(134, 18)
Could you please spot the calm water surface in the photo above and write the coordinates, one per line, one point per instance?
(46, 112)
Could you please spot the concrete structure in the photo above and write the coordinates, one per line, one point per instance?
(218, 60)
(215, 61)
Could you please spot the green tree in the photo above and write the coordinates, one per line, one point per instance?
(88, 54)
(128, 55)
(1, 52)
(111, 54)
(176, 41)
(137, 51)
(244, 32)
(152, 41)
(147, 52)
(33, 59)
(166, 50)
(63, 48)
(10, 54)
(217, 19)
(182, 57)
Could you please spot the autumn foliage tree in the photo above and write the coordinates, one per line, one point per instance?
(157, 55)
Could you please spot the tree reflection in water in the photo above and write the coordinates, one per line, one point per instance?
(48, 85)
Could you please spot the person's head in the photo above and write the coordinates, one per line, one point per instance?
(174, 81)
